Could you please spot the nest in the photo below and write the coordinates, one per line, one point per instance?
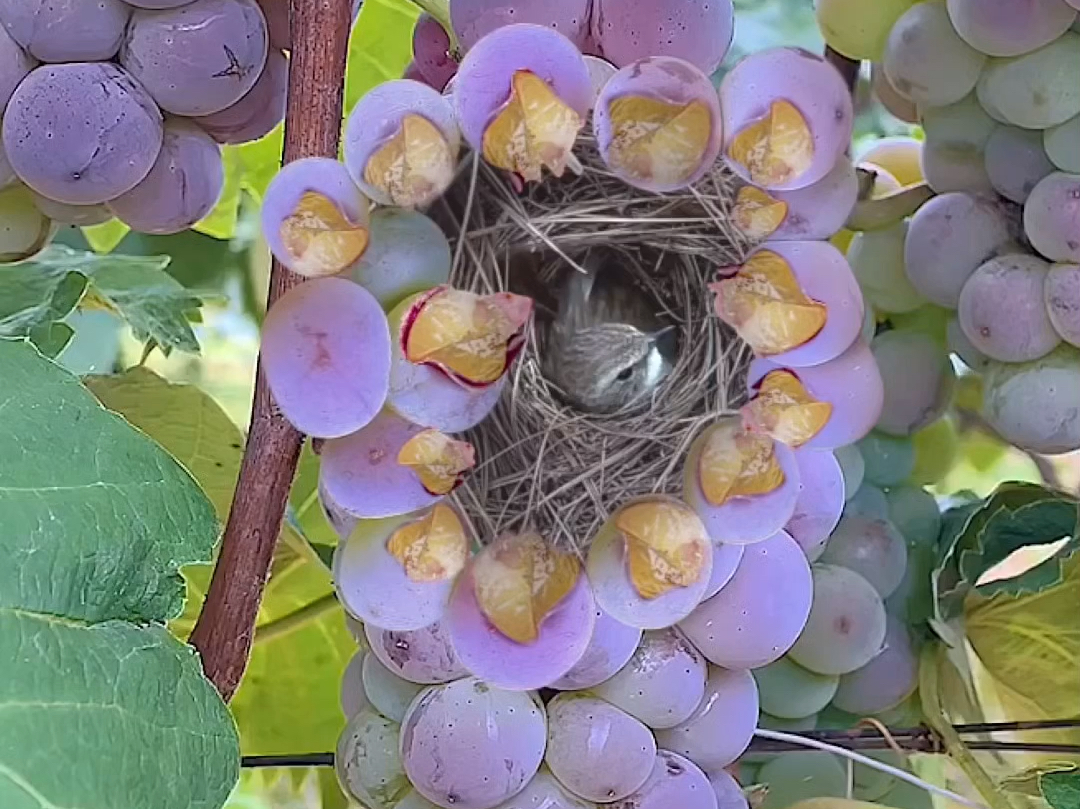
(544, 465)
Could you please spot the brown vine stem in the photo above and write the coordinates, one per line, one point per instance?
(226, 626)
(849, 68)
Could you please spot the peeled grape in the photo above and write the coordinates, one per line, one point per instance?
(662, 684)
(353, 698)
(915, 513)
(722, 726)
(804, 94)
(1033, 404)
(1052, 217)
(918, 379)
(948, 238)
(431, 49)
(869, 501)
(756, 617)
(1016, 161)
(877, 259)
(789, 691)
(367, 762)
(15, 65)
(889, 460)
(610, 648)
(468, 745)
(629, 30)
(543, 792)
(846, 626)
(895, 103)
(1002, 311)
(199, 58)
(820, 503)
(420, 656)
(326, 356)
(1062, 295)
(24, 230)
(926, 60)
(797, 776)
(79, 215)
(1062, 144)
(81, 133)
(898, 155)
(1012, 27)
(857, 29)
(389, 694)
(597, 751)
(853, 466)
(886, 680)
(260, 110)
(66, 30)
(873, 548)
(729, 795)
(1036, 90)
(673, 781)
(474, 19)
(183, 186)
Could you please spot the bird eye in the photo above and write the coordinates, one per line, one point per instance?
(624, 374)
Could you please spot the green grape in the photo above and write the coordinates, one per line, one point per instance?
(877, 259)
(788, 691)
(931, 320)
(793, 777)
(858, 29)
(853, 468)
(1062, 144)
(956, 137)
(871, 784)
(24, 230)
(903, 795)
(1037, 90)
(889, 459)
(913, 601)
(868, 501)
(936, 450)
(914, 511)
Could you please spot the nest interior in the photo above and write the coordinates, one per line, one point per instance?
(544, 465)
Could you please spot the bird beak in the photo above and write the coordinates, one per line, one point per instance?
(659, 334)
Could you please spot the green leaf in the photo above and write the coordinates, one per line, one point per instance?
(34, 294)
(97, 520)
(1061, 789)
(105, 237)
(51, 338)
(220, 223)
(259, 161)
(1026, 782)
(111, 715)
(381, 46)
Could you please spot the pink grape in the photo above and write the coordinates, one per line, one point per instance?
(183, 186)
(276, 13)
(420, 656)
(472, 20)
(726, 558)
(387, 693)
(468, 745)
(873, 548)
(886, 681)
(1052, 217)
(543, 792)
(431, 51)
(851, 383)
(326, 356)
(597, 751)
(158, 4)
(340, 520)
(1062, 296)
(673, 781)
(729, 795)
(15, 65)
(198, 58)
(79, 215)
(948, 238)
(66, 30)
(820, 502)
(353, 698)
(802, 79)
(487, 653)
(720, 729)
(1016, 161)
(367, 760)
(918, 378)
(612, 644)
(81, 133)
(1002, 310)
(629, 30)
(260, 110)
(758, 615)
(846, 626)
(663, 683)
(1010, 27)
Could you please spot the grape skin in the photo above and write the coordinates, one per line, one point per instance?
(1012, 27)
(472, 20)
(821, 209)
(15, 65)
(885, 681)
(431, 50)
(873, 548)
(820, 502)
(420, 656)
(673, 781)
(1016, 161)
(1062, 144)
(260, 110)
(1062, 297)
(612, 645)
(729, 795)
(66, 30)
(1036, 90)
(918, 379)
(1052, 217)
(788, 691)
(542, 792)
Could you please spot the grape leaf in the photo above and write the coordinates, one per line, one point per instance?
(111, 715)
(51, 338)
(381, 46)
(1026, 782)
(96, 519)
(105, 237)
(221, 221)
(1061, 789)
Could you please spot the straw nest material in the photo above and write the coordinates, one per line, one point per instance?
(546, 466)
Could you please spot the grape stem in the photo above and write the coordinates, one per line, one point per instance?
(849, 68)
(226, 627)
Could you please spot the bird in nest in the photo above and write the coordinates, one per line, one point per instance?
(602, 342)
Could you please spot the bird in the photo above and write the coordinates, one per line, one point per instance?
(602, 343)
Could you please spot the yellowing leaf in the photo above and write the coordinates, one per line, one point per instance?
(535, 129)
(320, 239)
(438, 460)
(777, 148)
(432, 548)
(735, 463)
(413, 167)
(757, 214)
(666, 544)
(784, 410)
(764, 303)
(519, 580)
(657, 141)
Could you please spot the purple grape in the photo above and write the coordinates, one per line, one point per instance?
(787, 118)
(157, 3)
(759, 614)
(420, 656)
(468, 745)
(918, 379)
(81, 133)
(15, 65)
(260, 110)
(850, 384)
(629, 30)
(543, 792)
(401, 143)
(1010, 27)
(726, 558)
(431, 51)
(729, 795)
(183, 186)
(340, 520)
(314, 218)
(612, 644)
(1062, 296)
(474, 19)
(66, 30)
(1052, 217)
(78, 215)
(1016, 161)
(873, 548)
(276, 14)
(198, 58)
(886, 681)
(1002, 309)
(353, 698)
(673, 781)
(663, 683)
(326, 356)
(820, 503)
(657, 123)
(597, 751)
